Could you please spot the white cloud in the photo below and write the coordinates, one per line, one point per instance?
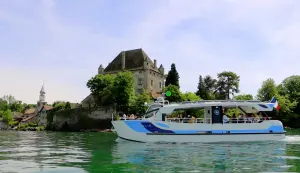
(69, 55)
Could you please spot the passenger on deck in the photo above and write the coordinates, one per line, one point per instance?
(233, 119)
(242, 119)
(124, 117)
(225, 119)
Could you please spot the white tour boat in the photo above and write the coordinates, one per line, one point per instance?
(157, 126)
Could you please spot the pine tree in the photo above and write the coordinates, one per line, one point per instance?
(201, 88)
(172, 77)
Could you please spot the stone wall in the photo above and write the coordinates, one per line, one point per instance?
(79, 119)
(3, 125)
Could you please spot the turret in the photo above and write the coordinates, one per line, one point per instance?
(100, 69)
(42, 97)
(146, 65)
(123, 60)
(161, 69)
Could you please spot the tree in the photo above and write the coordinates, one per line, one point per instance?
(243, 97)
(123, 89)
(6, 116)
(3, 105)
(140, 100)
(101, 87)
(176, 95)
(206, 87)
(172, 77)
(228, 84)
(109, 90)
(189, 96)
(59, 104)
(9, 98)
(290, 87)
(67, 105)
(16, 106)
(201, 92)
(267, 90)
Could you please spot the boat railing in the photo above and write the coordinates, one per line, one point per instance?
(189, 120)
(208, 120)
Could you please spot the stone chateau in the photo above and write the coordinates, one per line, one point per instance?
(146, 73)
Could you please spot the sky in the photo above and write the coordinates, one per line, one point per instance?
(62, 43)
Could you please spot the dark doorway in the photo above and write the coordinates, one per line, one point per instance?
(217, 115)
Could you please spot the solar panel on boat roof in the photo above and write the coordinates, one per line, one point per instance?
(201, 101)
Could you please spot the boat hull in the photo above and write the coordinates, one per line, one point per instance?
(203, 133)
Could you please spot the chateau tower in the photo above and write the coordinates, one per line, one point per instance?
(42, 98)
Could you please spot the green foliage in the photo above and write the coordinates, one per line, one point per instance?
(206, 87)
(101, 87)
(27, 106)
(123, 89)
(227, 84)
(267, 90)
(6, 116)
(290, 87)
(60, 105)
(40, 128)
(16, 107)
(243, 97)
(172, 77)
(9, 99)
(3, 105)
(286, 94)
(176, 94)
(67, 105)
(139, 105)
(109, 90)
(189, 96)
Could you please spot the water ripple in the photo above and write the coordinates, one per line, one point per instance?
(34, 152)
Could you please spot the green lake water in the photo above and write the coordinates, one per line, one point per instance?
(58, 152)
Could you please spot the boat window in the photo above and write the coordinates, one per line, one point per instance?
(149, 114)
(155, 106)
(187, 115)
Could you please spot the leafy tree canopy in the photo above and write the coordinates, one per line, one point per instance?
(267, 90)
(189, 96)
(113, 89)
(244, 97)
(176, 95)
(227, 84)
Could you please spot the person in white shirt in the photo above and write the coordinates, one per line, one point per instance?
(225, 119)
(124, 116)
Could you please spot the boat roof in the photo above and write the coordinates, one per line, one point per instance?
(247, 105)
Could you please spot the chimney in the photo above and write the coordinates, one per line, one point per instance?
(155, 63)
(123, 60)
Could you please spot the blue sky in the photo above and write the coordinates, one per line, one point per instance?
(64, 42)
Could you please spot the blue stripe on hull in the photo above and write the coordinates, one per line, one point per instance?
(148, 127)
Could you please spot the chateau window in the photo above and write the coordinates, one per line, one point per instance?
(151, 82)
(140, 81)
(160, 85)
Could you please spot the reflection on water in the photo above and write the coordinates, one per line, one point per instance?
(255, 157)
(34, 152)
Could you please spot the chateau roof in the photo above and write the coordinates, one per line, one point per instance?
(134, 59)
(29, 111)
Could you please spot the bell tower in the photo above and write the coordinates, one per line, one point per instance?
(42, 98)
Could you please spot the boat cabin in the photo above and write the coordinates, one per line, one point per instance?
(211, 112)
